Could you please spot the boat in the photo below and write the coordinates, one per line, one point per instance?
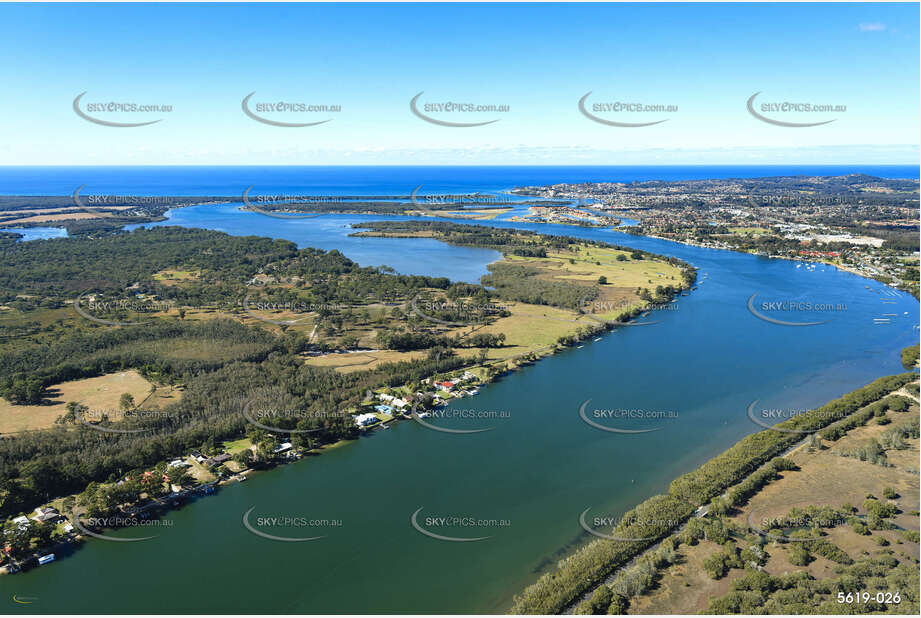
(599, 338)
(46, 559)
(580, 347)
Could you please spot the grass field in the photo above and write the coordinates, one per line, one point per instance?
(755, 231)
(100, 393)
(532, 328)
(357, 361)
(175, 276)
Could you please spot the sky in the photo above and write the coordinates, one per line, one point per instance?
(702, 62)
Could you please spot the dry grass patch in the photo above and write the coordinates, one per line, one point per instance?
(101, 393)
(347, 362)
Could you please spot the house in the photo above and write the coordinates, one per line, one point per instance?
(469, 376)
(399, 403)
(366, 420)
(178, 462)
(284, 446)
(47, 515)
(445, 386)
(22, 522)
(386, 397)
(218, 459)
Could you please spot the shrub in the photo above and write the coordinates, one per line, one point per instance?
(798, 554)
(598, 603)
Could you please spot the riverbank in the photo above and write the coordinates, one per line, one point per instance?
(819, 260)
(825, 487)
(580, 269)
(657, 517)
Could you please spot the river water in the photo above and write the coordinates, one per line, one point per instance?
(524, 483)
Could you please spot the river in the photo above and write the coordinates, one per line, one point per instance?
(530, 477)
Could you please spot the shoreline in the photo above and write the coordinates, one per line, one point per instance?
(841, 267)
(683, 490)
(509, 364)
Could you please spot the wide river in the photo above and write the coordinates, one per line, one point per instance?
(532, 475)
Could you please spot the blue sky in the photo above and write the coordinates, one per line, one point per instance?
(537, 59)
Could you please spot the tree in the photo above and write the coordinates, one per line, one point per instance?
(126, 402)
(177, 475)
(244, 458)
(602, 280)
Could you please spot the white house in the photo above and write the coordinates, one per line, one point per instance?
(363, 420)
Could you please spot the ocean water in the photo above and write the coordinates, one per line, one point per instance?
(375, 180)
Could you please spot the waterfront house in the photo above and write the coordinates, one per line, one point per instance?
(218, 459)
(47, 515)
(366, 420)
(445, 386)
